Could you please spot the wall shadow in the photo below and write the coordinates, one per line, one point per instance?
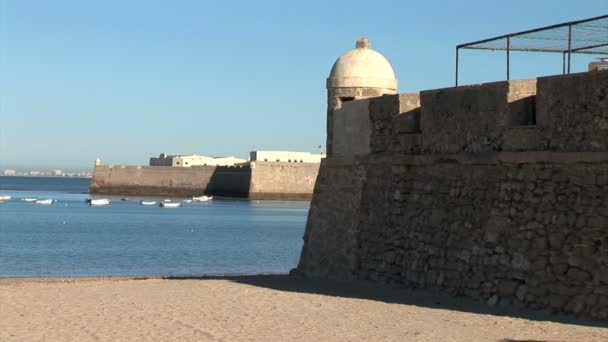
(230, 181)
(522, 112)
(393, 295)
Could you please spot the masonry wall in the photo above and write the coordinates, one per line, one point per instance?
(151, 180)
(574, 112)
(260, 180)
(488, 191)
(278, 180)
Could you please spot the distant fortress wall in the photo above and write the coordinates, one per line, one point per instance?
(279, 180)
(151, 180)
(496, 191)
(259, 180)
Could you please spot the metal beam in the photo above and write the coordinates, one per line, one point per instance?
(534, 30)
(569, 46)
(591, 47)
(537, 50)
(508, 58)
(457, 50)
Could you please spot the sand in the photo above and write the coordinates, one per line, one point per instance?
(262, 308)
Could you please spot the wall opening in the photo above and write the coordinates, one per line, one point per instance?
(347, 99)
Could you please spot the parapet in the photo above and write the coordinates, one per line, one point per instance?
(565, 113)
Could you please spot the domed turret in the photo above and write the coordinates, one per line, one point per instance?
(362, 67)
(358, 74)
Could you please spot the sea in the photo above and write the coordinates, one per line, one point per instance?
(69, 238)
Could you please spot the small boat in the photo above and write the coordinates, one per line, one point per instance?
(29, 199)
(147, 202)
(44, 201)
(170, 205)
(187, 201)
(202, 198)
(5, 198)
(99, 202)
(167, 200)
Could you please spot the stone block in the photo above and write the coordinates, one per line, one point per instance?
(464, 119)
(572, 111)
(521, 138)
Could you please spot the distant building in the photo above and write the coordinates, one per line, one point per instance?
(602, 64)
(194, 160)
(9, 172)
(162, 160)
(286, 156)
(57, 173)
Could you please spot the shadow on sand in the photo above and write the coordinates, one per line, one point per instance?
(394, 295)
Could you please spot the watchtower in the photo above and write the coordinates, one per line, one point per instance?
(358, 74)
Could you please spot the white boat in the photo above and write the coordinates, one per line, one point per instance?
(202, 198)
(167, 200)
(147, 202)
(99, 201)
(30, 199)
(44, 201)
(170, 205)
(5, 198)
(187, 201)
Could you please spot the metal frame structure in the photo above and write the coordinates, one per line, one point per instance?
(587, 36)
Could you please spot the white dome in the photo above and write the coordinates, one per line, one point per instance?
(362, 67)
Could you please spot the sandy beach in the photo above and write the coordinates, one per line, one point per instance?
(262, 308)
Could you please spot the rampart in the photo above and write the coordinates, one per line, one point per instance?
(259, 180)
(151, 180)
(496, 191)
(276, 180)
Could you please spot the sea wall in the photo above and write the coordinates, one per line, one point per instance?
(259, 180)
(278, 180)
(489, 191)
(151, 180)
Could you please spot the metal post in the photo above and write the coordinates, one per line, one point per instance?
(563, 63)
(457, 50)
(508, 58)
(569, 46)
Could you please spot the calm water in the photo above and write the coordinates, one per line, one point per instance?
(69, 238)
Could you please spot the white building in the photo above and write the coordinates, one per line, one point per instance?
(286, 156)
(601, 64)
(194, 160)
(9, 172)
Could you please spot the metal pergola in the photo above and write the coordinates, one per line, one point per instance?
(587, 36)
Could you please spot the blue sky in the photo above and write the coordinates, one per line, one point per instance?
(125, 80)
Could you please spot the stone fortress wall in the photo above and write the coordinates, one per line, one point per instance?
(496, 191)
(258, 180)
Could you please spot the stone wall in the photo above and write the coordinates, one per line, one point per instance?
(150, 180)
(351, 132)
(519, 228)
(260, 180)
(500, 195)
(574, 114)
(336, 97)
(272, 180)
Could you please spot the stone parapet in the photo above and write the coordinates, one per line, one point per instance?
(572, 112)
